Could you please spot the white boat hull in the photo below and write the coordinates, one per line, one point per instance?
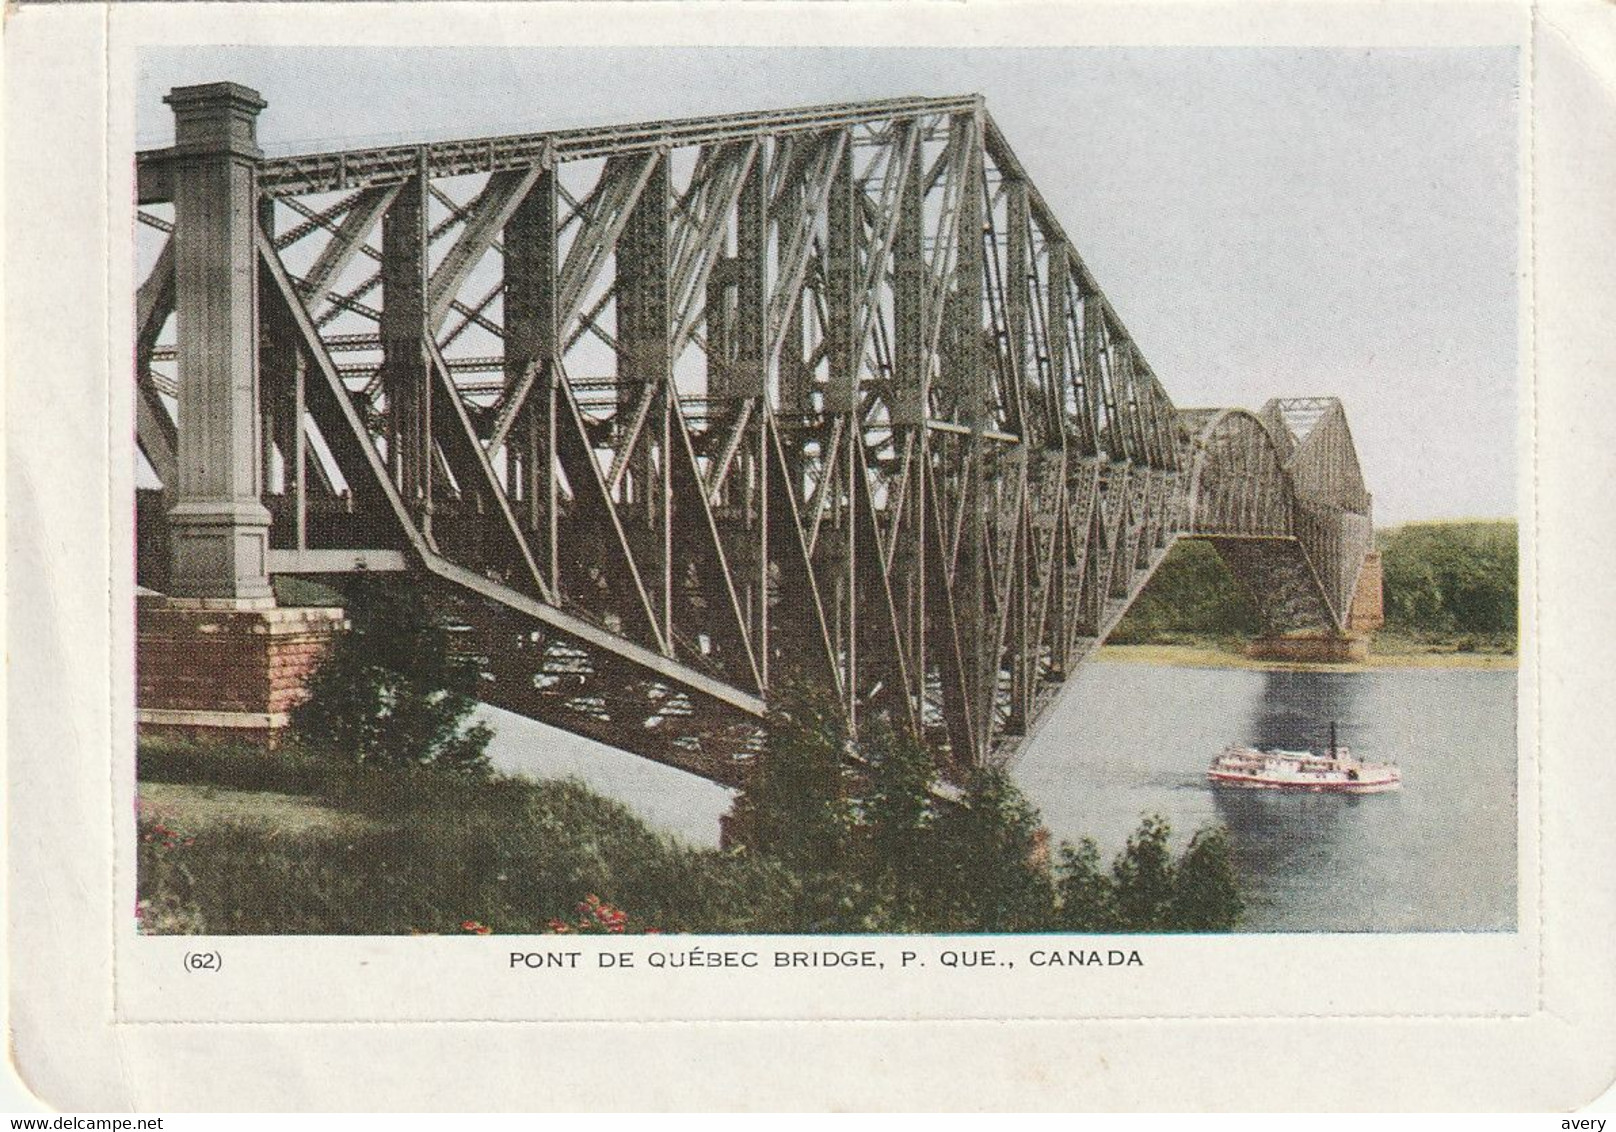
(1250, 782)
(1338, 772)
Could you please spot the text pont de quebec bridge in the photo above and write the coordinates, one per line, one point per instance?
(666, 414)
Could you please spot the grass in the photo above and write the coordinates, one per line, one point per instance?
(237, 766)
(241, 842)
(1387, 652)
(390, 852)
(201, 807)
(1458, 646)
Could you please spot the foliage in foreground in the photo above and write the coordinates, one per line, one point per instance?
(391, 693)
(427, 850)
(874, 846)
(424, 850)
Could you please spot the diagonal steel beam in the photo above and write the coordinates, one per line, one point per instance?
(154, 428)
(737, 436)
(943, 631)
(949, 234)
(473, 316)
(788, 546)
(793, 267)
(312, 220)
(465, 437)
(612, 202)
(511, 407)
(154, 302)
(696, 525)
(874, 576)
(486, 217)
(630, 437)
(575, 450)
(691, 277)
(884, 225)
(304, 325)
(350, 237)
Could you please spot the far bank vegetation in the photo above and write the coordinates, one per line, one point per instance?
(1449, 587)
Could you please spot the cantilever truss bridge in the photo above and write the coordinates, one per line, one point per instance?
(673, 411)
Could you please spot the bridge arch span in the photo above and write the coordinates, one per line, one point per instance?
(1280, 494)
(1239, 486)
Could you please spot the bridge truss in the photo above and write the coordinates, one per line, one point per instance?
(673, 412)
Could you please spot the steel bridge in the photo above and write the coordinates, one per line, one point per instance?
(673, 411)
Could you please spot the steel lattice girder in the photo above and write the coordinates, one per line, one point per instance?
(822, 394)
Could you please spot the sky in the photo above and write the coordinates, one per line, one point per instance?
(1266, 221)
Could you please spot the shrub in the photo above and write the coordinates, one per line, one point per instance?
(795, 805)
(390, 693)
(900, 813)
(872, 845)
(422, 851)
(991, 852)
(1085, 893)
(1206, 892)
(1144, 878)
(1146, 889)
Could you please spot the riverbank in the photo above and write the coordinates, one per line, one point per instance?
(239, 840)
(1218, 656)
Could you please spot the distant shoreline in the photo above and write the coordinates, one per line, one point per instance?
(1194, 656)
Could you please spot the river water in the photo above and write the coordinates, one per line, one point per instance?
(1126, 740)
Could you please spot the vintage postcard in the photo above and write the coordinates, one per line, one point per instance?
(1002, 554)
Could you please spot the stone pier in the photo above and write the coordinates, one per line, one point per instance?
(1352, 647)
(215, 655)
(1320, 648)
(209, 670)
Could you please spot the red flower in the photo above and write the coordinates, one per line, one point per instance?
(595, 917)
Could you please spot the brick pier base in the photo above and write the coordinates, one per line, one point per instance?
(1321, 649)
(219, 670)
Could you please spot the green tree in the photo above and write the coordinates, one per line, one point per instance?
(1086, 894)
(1412, 595)
(1193, 593)
(873, 844)
(992, 851)
(391, 693)
(1144, 878)
(1146, 890)
(795, 805)
(1206, 892)
(899, 811)
(1451, 578)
